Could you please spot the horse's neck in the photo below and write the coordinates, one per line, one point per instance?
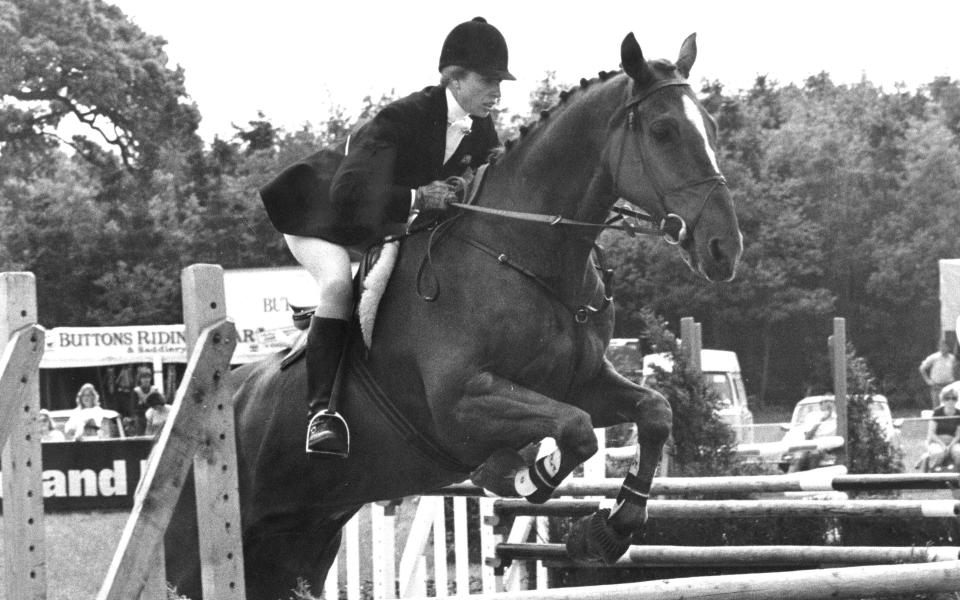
(555, 170)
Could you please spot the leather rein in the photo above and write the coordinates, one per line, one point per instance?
(668, 225)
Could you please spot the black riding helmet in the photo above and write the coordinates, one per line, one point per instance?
(478, 46)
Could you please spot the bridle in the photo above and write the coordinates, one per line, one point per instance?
(670, 226)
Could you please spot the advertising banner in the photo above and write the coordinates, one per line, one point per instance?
(258, 301)
(92, 475)
(101, 346)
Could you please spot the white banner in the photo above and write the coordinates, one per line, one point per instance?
(949, 293)
(96, 346)
(258, 302)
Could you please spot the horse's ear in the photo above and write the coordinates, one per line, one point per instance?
(688, 54)
(632, 61)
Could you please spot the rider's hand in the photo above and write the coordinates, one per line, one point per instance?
(435, 196)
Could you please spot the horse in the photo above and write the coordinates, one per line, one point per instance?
(490, 336)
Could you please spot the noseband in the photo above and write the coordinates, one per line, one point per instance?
(670, 225)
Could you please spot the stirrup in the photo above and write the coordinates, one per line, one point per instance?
(328, 435)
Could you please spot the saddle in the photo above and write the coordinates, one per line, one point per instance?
(369, 284)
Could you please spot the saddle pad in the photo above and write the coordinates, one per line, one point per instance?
(374, 285)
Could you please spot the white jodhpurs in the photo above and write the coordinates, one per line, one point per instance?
(329, 264)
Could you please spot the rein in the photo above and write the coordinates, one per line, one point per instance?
(668, 225)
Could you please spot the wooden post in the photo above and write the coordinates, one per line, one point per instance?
(215, 465)
(838, 359)
(25, 573)
(204, 384)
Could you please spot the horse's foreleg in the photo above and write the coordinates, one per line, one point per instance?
(611, 399)
(496, 417)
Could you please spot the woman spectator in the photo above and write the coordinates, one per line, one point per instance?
(143, 389)
(48, 432)
(88, 408)
(943, 433)
(157, 412)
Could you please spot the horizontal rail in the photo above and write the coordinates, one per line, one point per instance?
(809, 481)
(810, 584)
(713, 509)
(555, 555)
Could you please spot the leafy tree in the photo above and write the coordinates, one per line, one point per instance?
(868, 450)
(85, 61)
(702, 443)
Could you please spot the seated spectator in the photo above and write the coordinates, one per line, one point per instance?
(143, 389)
(943, 432)
(48, 432)
(157, 412)
(822, 422)
(88, 407)
(91, 431)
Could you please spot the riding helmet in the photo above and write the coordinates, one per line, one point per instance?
(478, 46)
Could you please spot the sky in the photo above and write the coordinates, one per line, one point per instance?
(294, 60)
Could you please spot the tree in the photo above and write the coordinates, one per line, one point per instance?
(84, 62)
(702, 443)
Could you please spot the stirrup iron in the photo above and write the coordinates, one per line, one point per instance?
(328, 435)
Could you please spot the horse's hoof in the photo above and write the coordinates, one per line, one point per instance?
(591, 539)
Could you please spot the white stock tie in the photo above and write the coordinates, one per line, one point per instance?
(455, 133)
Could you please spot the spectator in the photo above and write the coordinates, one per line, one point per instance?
(822, 422)
(48, 432)
(88, 408)
(943, 432)
(937, 370)
(817, 423)
(143, 389)
(157, 412)
(91, 431)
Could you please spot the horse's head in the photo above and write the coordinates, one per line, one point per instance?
(662, 158)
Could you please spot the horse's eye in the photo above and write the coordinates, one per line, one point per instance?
(662, 131)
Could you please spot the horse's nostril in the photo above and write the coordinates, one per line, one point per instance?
(716, 253)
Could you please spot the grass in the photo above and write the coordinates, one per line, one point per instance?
(79, 548)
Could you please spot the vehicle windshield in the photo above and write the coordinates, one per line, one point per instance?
(879, 410)
(626, 358)
(806, 412)
(719, 383)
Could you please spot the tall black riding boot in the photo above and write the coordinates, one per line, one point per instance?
(327, 433)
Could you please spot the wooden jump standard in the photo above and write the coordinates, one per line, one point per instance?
(199, 432)
(22, 344)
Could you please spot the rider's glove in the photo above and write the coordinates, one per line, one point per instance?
(435, 196)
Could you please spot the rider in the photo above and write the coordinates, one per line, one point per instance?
(396, 164)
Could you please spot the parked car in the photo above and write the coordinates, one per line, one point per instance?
(111, 427)
(811, 437)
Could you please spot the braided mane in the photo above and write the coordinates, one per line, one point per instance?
(662, 66)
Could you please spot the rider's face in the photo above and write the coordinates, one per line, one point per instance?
(476, 93)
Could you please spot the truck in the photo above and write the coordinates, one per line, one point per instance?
(720, 368)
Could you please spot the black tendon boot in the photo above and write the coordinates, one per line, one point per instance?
(327, 433)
